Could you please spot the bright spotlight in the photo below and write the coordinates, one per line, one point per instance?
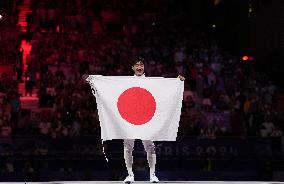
(245, 58)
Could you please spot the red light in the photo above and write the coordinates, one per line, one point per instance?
(57, 29)
(245, 58)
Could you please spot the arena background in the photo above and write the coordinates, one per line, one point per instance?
(230, 51)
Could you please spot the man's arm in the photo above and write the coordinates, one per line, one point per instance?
(84, 77)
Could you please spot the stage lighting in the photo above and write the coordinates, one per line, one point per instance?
(251, 58)
(245, 58)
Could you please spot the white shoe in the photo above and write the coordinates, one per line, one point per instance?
(129, 179)
(154, 179)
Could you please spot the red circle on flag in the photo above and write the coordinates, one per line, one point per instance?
(136, 105)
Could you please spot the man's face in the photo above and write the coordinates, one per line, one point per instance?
(138, 68)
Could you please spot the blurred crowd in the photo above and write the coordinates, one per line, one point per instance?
(224, 96)
(10, 38)
(72, 38)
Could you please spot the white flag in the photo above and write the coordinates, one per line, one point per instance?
(146, 108)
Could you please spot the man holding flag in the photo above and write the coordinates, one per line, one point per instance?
(149, 115)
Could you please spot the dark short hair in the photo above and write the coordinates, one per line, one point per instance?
(138, 59)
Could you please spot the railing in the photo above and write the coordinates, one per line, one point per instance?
(189, 158)
(188, 147)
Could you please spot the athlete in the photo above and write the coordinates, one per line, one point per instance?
(149, 146)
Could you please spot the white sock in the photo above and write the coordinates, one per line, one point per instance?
(152, 162)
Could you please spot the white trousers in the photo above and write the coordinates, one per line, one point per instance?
(149, 147)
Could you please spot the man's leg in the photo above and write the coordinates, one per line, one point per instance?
(128, 148)
(151, 157)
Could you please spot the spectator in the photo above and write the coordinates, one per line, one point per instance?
(16, 105)
(44, 127)
(266, 128)
(6, 129)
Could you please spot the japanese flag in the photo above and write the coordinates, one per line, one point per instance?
(146, 108)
